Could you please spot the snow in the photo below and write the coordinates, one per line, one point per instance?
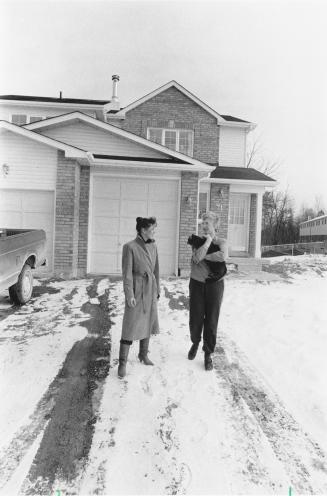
(32, 354)
(174, 428)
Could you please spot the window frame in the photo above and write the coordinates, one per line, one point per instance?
(28, 118)
(205, 188)
(177, 132)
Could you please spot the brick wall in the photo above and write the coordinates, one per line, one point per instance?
(173, 105)
(67, 216)
(83, 219)
(188, 218)
(219, 203)
(252, 224)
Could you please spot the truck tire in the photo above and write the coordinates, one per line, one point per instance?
(21, 292)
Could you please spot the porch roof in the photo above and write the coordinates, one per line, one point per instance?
(243, 173)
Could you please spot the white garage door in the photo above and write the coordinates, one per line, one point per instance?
(116, 202)
(29, 209)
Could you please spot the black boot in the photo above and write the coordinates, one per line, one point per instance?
(144, 349)
(193, 351)
(208, 365)
(123, 355)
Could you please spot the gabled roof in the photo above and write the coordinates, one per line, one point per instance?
(220, 119)
(45, 99)
(79, 116)
(242, 173)
(70, 151)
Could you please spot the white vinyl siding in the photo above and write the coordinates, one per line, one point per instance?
(180, 140)
(95, 140)
(29, 164)
(7, 110)
(232, 143)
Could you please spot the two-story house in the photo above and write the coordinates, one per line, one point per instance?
(83, 170)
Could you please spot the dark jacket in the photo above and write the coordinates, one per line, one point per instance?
(217, 269)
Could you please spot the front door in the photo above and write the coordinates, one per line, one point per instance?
(238, 225)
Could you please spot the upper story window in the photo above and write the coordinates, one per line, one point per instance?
(180, 140)
(35, 118)
(19, 119)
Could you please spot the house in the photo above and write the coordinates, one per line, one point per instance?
(84, 169)
(314, 229)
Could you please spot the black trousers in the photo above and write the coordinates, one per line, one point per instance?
(205, 303)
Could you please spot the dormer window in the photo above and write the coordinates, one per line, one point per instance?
(180, 140)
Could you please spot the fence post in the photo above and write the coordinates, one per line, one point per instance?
(292, 249)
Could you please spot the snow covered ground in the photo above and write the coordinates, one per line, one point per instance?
(257, 424)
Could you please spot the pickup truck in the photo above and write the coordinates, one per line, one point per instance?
(21, 250)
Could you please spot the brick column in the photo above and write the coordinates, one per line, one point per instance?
(83, 220)
(188, 218)
(253, 225)
(219, 203)
(67, 216)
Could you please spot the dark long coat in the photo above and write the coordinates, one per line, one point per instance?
(141, 280)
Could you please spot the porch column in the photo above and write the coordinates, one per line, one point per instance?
(257, 252)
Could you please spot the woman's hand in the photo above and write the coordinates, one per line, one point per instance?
(209, 239)
(131, 302)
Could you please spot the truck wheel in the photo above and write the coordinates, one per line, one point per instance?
(21, 292)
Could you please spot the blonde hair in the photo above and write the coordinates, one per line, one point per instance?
(213, 217)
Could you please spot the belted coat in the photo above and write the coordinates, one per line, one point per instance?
(140, 267)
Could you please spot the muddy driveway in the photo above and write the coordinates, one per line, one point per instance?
(67, 409)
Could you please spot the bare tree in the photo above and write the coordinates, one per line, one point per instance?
(319, 205)
(256, 158)
(278, 223)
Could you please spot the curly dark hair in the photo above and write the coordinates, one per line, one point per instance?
(145, 223)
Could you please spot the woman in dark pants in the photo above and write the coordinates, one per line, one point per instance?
(206, 294)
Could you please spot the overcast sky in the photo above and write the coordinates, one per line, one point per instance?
(260, 61)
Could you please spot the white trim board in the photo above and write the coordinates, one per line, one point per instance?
(249, 182)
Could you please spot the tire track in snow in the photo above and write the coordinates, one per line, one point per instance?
(67, 411)
(303, 460)
(68, 436)
(32, 313)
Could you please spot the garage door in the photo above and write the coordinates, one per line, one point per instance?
(29, 209)
(116, 203)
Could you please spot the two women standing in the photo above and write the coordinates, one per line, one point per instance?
(142, 289)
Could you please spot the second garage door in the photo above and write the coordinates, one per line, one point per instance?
(116, 202)
(29, 209)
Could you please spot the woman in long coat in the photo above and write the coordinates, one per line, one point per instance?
(141, 287)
